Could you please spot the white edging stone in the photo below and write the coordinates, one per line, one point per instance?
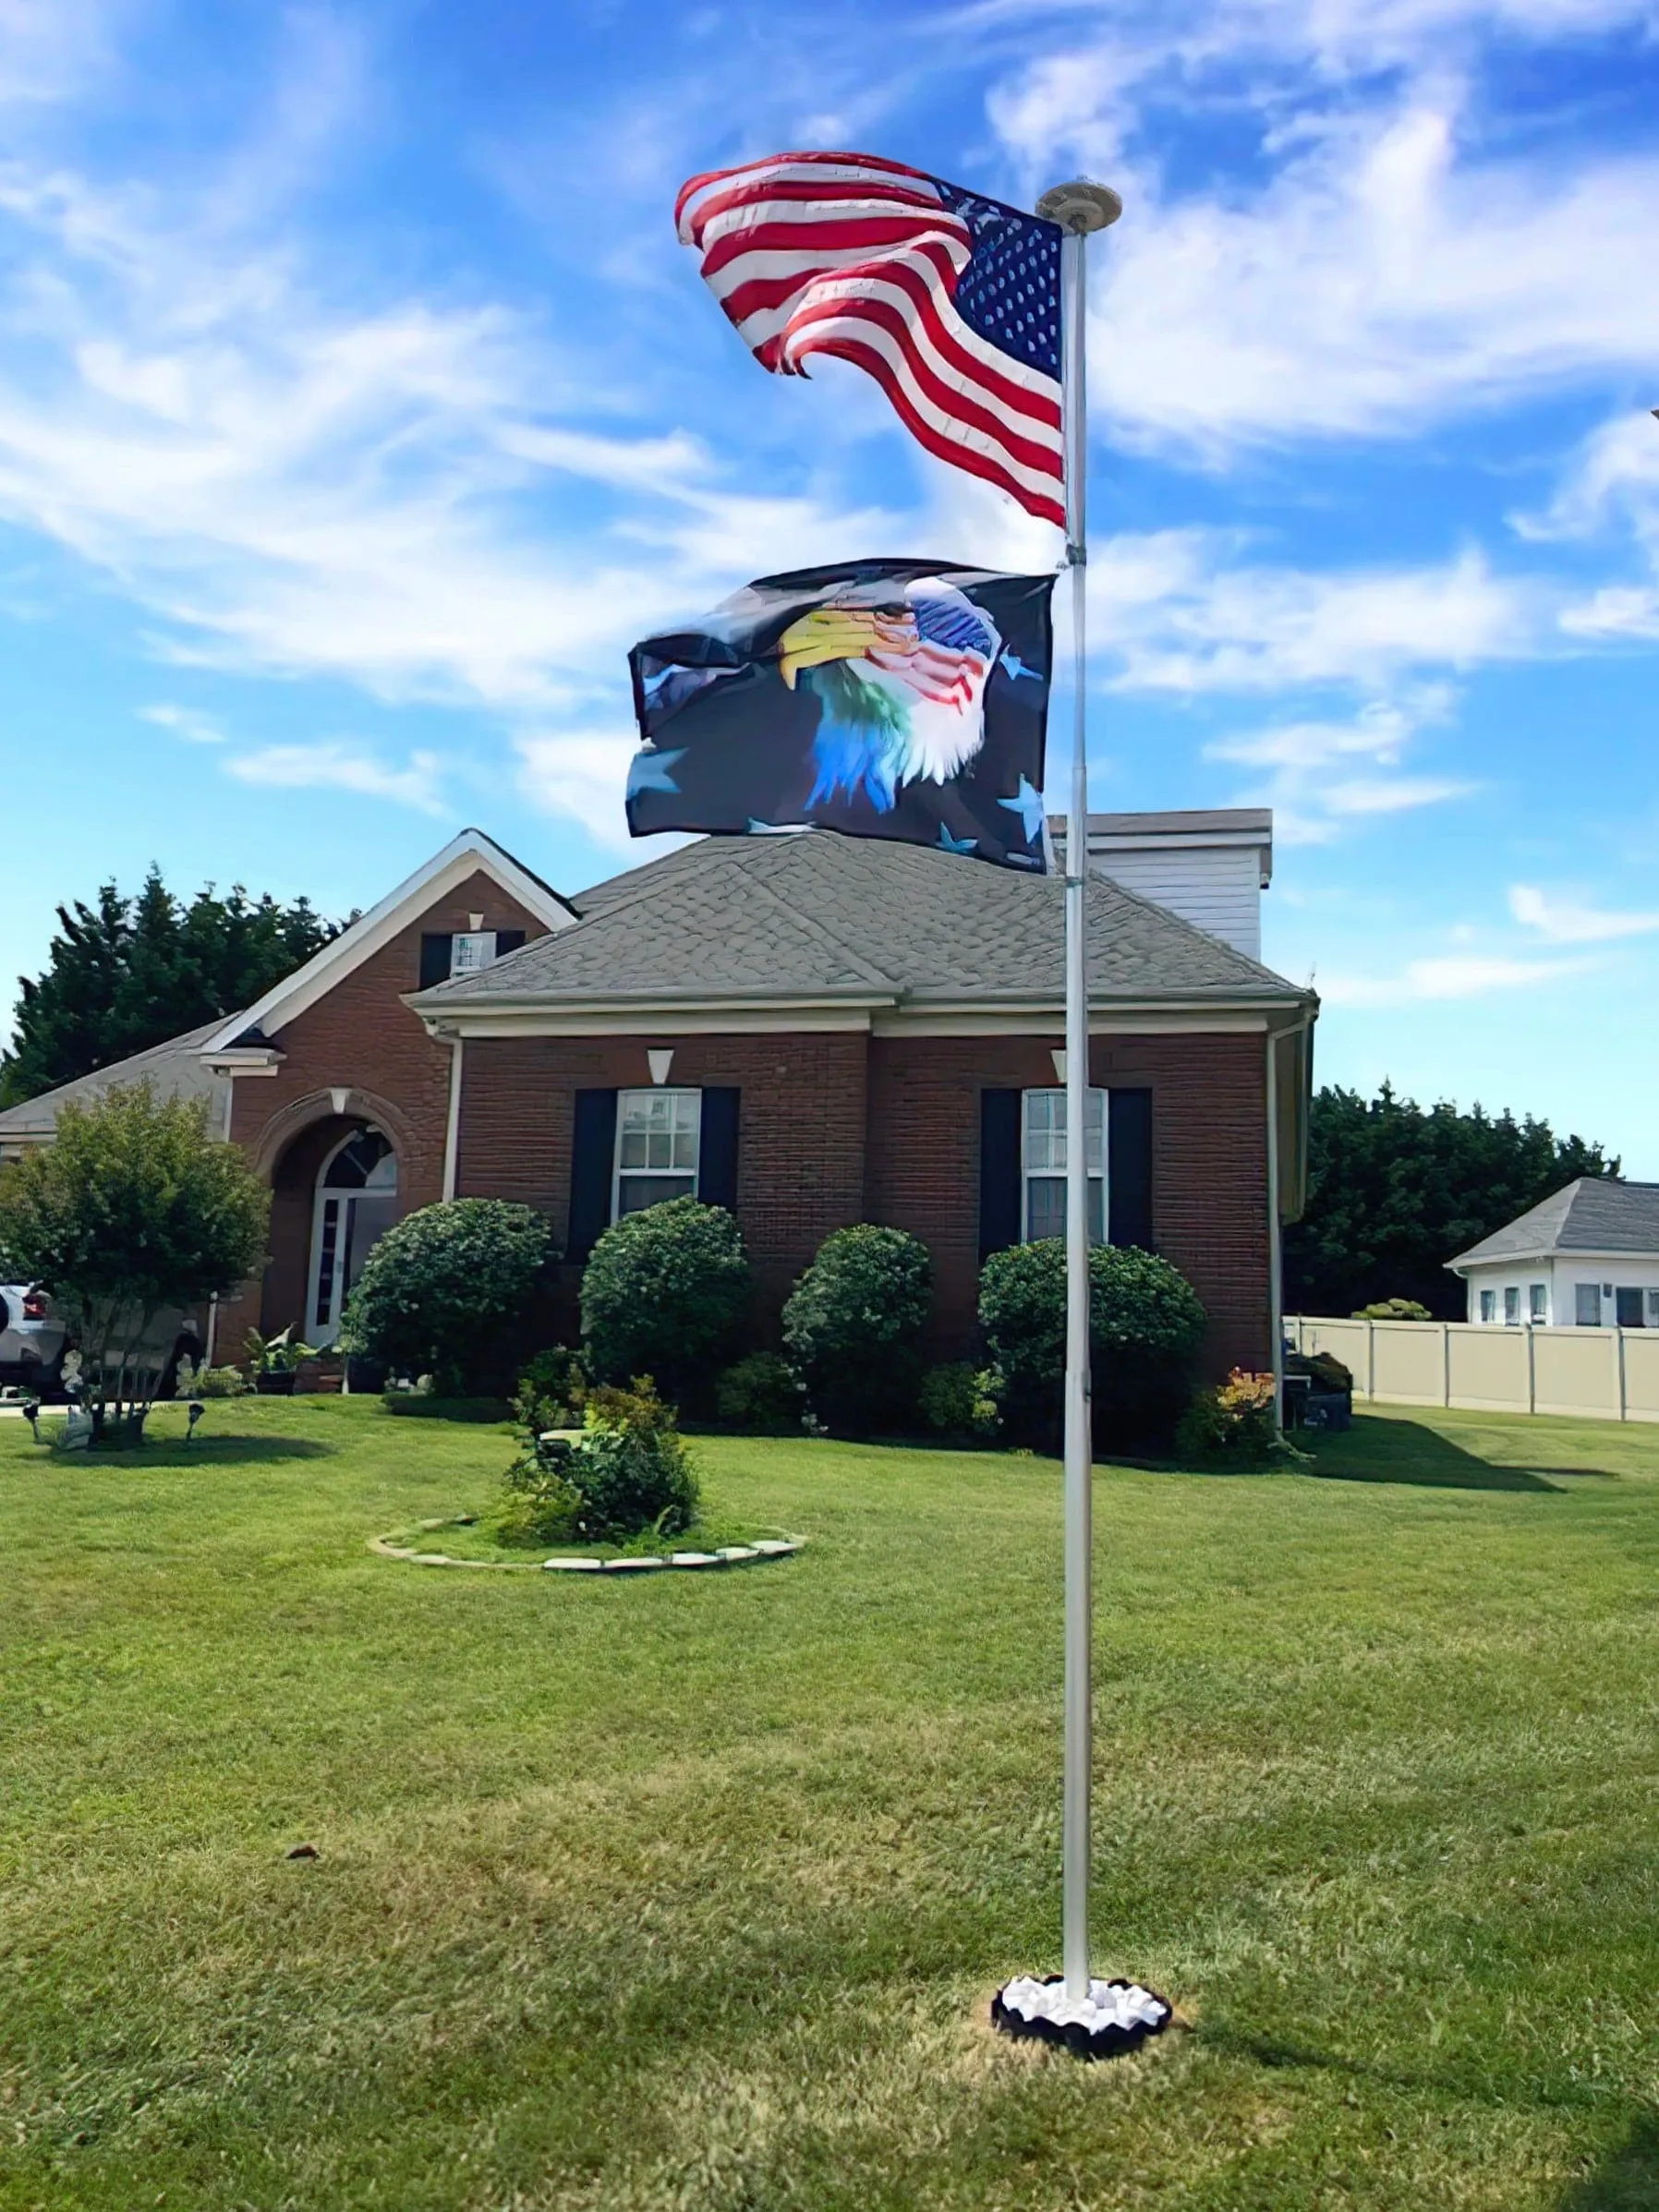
(770, 1547)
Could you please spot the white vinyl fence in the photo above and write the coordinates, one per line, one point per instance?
(1602, 1374)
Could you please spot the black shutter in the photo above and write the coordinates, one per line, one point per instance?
(998, 1170)
(592, 1158)
(436, 949)
(1129, 1166)
(716, 1157)
(507, 940)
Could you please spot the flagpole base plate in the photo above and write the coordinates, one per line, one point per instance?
(1115, 2017)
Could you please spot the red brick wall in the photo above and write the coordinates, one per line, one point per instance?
(361, 1036)
(1209, 1164)
(838, 1129)
(801, 1129)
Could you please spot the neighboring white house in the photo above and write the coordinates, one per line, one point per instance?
(1210, 866)
(1587, 1258)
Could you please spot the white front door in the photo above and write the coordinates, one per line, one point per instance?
(357, 1203)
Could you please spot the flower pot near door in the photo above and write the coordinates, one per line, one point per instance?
(271, 1384)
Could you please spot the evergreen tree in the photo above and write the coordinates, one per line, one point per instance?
(1394, 1192)
(125, 974)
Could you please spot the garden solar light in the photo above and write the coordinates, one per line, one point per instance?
(197, 1410)
(31, 1414)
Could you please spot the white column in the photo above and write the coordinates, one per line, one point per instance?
(452, 1132)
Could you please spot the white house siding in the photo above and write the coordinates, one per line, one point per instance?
(1216, 887)
(1561, 1274)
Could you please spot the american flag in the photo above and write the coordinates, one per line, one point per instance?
(950, 300)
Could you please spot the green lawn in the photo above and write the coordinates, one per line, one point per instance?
(691, 1891)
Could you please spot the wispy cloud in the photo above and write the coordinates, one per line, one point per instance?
(188, 722)
(1320, 776)
(1446, 975)
(1561, 920)
(335, 765)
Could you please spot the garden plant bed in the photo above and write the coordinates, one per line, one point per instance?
(467, 1542)
(672, 1902)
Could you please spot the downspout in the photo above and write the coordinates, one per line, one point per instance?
(452, 1132)
(1274, 1269)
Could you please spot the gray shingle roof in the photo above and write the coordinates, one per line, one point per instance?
(174, 1068)
(1592, 1215)
(817, 913)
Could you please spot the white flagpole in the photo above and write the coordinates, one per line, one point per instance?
(1078, 208)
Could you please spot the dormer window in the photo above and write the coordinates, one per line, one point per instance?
(471, 949)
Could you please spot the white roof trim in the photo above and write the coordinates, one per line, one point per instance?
(465, 856)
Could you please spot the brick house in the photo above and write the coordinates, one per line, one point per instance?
(811, 1030)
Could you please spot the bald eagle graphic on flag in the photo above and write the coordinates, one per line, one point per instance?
(883, 698)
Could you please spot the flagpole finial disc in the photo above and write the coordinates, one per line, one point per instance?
(1081, 206)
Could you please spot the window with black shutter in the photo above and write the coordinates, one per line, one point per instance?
(436, 947)
(1128, 1167)
(592, 1161)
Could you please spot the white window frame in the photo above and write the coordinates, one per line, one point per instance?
(1512, 1305)
(318, 1330)
(1654, 1308)
(1029, 1174)
(666, 1174)
(1538, 1304)
(1488, 1307)
(1578, 1305)
(479, 951)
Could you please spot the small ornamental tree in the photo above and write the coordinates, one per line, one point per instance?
(853, 1325)
(664, 1294)
(132, 1212)
(443, 1287)
(1146, 1326)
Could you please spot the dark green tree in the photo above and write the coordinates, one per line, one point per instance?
(1395, 1191)
(125, 974)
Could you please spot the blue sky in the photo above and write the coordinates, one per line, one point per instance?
(357, 410)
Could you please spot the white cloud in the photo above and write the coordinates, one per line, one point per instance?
(188, 722)
(1187, 615)
(1569, 921)
(1321, 775)
(581, 773)
(333, 765)
(1446, 976)
(1392, 264)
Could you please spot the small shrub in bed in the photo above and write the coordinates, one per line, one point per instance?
(442, 1285)
(663, 1294)
(1145, 1327)
(761, 1395)
(959, 1400)
(1394, 1309)
(853, 1324)
(1233, 1426)
(629, 1472)
(556, 1383)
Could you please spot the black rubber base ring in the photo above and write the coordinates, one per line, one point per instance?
(1108, 2041)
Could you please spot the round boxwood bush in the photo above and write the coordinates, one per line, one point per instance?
(1146, 1326)
(664, 1294)
(442, 1287)
(853, 1324)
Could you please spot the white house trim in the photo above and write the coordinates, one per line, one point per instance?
(470, 853)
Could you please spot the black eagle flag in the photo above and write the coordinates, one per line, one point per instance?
(903, 699)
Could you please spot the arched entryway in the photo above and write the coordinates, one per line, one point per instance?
(356, 1203)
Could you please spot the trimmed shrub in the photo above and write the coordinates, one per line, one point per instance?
(762, 1396)
(210, 1382)
(664, 1294)
(443, 1285)
(1394, 1309)
(1233, 1426)
(1146, 1326)
(959, 1400)
(629, 1472)
(553, 1389)
(631, 1467)
(854, 1324)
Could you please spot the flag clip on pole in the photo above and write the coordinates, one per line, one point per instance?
(1094, 2018)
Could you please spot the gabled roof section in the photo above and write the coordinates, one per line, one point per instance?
(818, 915)
(174, 1068)
(1594, 1214)
(467, 854)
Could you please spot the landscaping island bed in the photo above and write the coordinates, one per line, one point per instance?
(610, 1559)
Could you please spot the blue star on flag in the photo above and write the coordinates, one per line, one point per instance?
(1028, 805)
(652, 772)
(955, 844)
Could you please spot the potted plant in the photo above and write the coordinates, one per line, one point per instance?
(274, 1360)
